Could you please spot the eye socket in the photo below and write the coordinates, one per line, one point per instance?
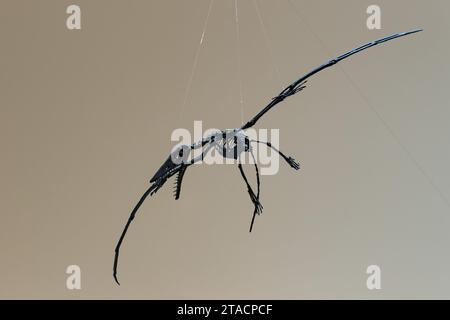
(183, 153)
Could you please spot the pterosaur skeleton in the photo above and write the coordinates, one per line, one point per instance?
(230, 143)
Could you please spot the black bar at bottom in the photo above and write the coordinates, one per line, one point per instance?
(223, 309)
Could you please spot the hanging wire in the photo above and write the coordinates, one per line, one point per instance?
(197, 54)
(238, 54)
(267, 39)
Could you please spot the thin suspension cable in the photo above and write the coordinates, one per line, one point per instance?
(418, 166)
(304, 22)
(238, 53)
(267, 39)
(197, 54)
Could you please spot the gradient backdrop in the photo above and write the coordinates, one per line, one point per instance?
(86, 118)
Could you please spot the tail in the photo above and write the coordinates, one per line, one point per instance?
(122, 236)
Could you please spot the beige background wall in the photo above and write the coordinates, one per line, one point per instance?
(86, 118)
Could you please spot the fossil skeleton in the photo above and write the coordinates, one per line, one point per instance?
(231, 143)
